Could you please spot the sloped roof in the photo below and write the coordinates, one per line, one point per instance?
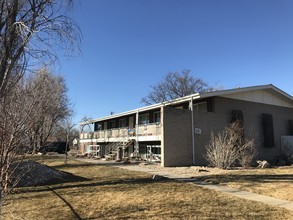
(267, 94)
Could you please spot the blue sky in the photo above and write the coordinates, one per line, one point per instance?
(129, 45)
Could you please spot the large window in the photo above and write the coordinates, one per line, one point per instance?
(201, 107)
(99, 126)
(112, 124)
(122, 123)
(143, 119)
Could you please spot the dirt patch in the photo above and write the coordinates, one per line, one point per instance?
(186, 172)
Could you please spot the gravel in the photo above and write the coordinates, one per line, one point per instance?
(30, 173)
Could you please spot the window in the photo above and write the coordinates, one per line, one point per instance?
(201, 107)
(111, 124)
(268, 130)
(237, 115)
(99, 126)
(290, 127)
(122, 123)
(157, 117)
(143, 119)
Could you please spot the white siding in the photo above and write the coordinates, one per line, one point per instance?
(262, 96)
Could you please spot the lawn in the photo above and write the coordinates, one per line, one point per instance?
(107, 192)
(275, 182)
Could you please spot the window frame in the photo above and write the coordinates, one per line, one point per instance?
(124, 124)
(157, 115)
(146, 122)
(197, 105)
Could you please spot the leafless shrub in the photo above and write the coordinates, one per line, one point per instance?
(287, 153)
(247, 156)
(229, 147)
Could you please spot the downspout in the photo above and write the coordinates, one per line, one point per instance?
(192, 130)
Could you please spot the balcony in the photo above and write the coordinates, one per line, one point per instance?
(151, 132)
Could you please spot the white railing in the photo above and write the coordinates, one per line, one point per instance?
(149, 130)
(142, 130)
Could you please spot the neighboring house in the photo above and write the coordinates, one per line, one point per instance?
(177, 131)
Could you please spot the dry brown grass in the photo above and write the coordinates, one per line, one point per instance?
(113, 193)
(275, 182)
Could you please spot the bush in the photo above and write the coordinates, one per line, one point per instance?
(229, 147)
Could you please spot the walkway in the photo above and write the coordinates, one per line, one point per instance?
(225, 189)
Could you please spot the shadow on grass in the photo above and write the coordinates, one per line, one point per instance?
(77, 216)
(66, 178)
(74, 165)
(89, 164)
(253, 178)
(82, 184)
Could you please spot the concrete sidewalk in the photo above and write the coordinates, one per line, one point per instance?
(220, 188)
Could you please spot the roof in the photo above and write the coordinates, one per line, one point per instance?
(224, 93)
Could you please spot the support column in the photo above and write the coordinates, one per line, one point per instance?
(136, 145)
(192, 130)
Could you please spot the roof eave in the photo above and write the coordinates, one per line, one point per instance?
(193, 96)
(142, 109)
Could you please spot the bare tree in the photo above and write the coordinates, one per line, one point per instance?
(229, 147)
(175, 85)
(52, 108)
(86, 127)
(61, 131)
(18, 115)
(69, 127)
(29, 112)
(30, 31)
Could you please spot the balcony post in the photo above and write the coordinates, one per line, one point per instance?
(192, 129)
(136, 145)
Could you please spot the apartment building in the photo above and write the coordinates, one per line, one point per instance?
(176, 132)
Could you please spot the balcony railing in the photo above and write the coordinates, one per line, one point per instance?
(149, 130)
(142, 130)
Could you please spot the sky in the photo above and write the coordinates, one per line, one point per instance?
(129, 45)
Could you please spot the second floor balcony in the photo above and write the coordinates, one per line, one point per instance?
(141, 132)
